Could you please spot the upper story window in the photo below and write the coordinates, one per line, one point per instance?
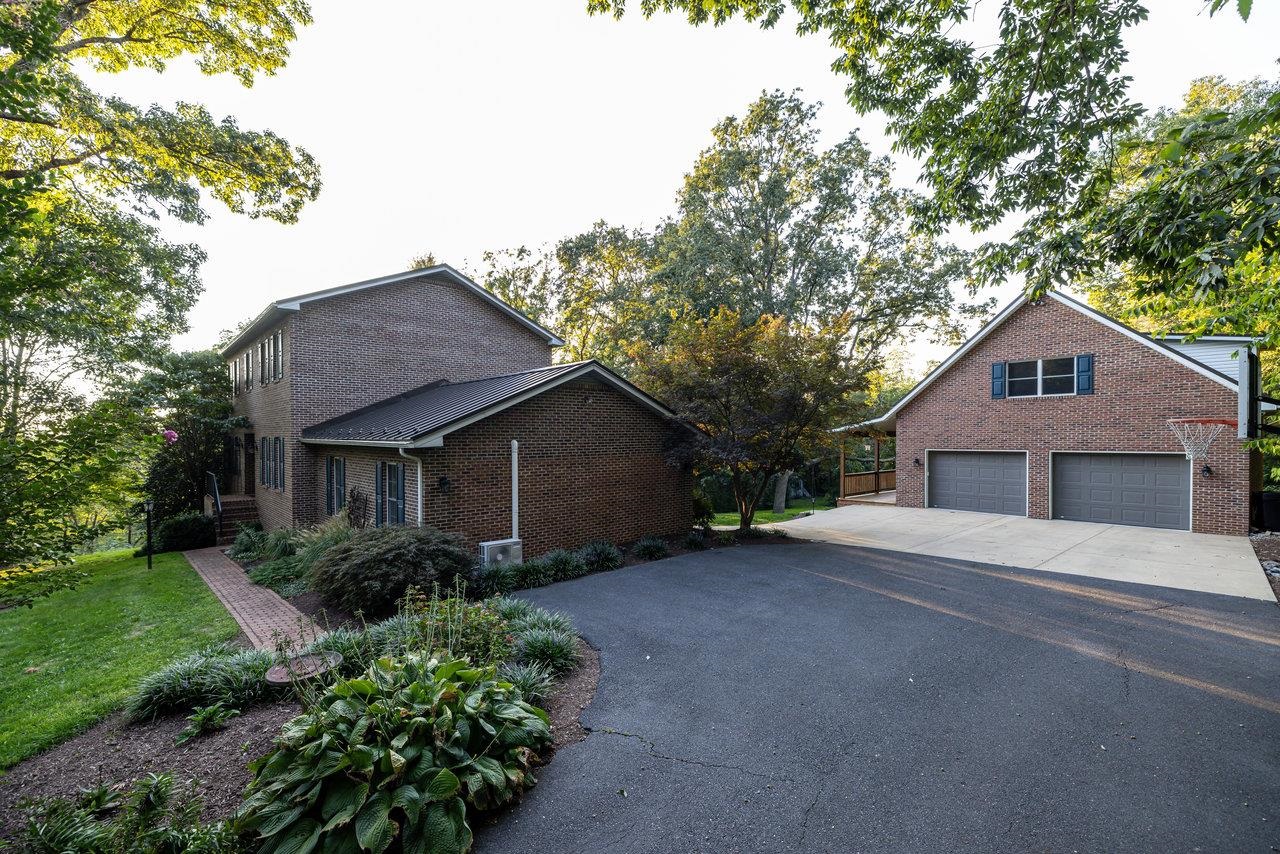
(248, 370)
(234, 370)
(263, 360)
(1066, 375)
(277, 354)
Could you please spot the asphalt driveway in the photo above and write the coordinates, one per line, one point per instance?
(816, 697)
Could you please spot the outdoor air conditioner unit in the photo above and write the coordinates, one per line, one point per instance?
(502, 552)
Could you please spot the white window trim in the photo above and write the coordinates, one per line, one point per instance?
(1039, 378)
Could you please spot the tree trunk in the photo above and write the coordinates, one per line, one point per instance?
(780, 491)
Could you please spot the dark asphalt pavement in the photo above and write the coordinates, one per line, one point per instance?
(814, 697)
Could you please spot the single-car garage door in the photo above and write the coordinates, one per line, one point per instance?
(1123, 489)
(985, 481)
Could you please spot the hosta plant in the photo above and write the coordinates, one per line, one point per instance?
(397, 758)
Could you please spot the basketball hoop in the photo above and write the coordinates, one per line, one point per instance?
(1197, 434)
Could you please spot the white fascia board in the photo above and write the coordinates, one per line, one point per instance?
(434, 440)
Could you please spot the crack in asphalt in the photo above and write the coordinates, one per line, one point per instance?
(1145, 610)
(804, 825)
(653, 751)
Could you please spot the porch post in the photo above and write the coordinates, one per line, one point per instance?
(876, 439)
(840, 476)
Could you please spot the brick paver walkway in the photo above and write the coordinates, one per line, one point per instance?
(262, 614)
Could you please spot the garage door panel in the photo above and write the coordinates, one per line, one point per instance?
(987, 482)
(1151, 490)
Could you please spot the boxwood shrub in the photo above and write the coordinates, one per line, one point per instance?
(370, 572)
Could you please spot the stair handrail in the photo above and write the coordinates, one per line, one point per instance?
(211, 489)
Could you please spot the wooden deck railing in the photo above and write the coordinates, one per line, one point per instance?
(865, 482)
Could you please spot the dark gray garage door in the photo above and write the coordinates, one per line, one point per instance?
(985, 481)
(1124, 489)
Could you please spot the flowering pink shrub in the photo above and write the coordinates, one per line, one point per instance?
(169, 437)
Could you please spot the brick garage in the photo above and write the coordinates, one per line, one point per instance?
(1137, 387)
(592, 465)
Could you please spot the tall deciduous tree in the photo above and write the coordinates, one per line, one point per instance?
(1005, 103)
(760, 391)
(93, 292)
(769, 223)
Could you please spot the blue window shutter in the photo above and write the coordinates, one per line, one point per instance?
(340, 466)
(377, 495)
(1084, 374)
(262, 462)
(400, 497)
(328, 486)
(997, 379)
(281, 441)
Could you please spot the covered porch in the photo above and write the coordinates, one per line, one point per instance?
(868, 466)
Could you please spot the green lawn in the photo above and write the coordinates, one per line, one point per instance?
(765, 516)
(87, 648)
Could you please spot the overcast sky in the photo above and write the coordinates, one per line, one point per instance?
(463, 126)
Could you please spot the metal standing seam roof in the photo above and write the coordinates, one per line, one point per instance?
(406, 417)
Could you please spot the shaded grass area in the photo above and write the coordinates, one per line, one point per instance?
(766, 515)
(76, 656)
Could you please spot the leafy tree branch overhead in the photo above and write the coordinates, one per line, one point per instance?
(154, 159)
(1011, 127)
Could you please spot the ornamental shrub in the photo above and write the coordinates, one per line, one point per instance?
(249, 543)
(695, 540)
(512, 608)
(398, 757)
(541, 618)
(600, 556)
(180, 533)
(373, 569)
(555, 649)
(494, 579)
(531, 573)
(220, 674)
(650, 548)
(533, 681)
(563, 565)
(278, 543)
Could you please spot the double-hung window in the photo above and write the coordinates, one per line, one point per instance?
(1042, 377)
(248, 369)
(262, 362)
(389, 491)
(335, 478)
(234, 369)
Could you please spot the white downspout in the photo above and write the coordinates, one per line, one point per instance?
(515, 490)
(417, 460)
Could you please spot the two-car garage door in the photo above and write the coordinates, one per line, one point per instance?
(1153, 490)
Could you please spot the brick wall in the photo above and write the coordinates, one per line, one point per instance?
(352, 350)
(592, 465)
(268, 408)
(1136, 390)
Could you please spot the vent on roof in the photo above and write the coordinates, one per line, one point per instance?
(501, 553)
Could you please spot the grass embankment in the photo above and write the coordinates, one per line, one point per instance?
(765, 516)
(76, 656)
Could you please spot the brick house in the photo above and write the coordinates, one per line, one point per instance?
(1055, 411)
(410, 389)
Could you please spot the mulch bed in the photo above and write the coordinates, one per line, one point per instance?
(325, 616)
(1267, 547)
(118, 753)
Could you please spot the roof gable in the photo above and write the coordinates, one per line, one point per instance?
(282, 308)
(888, 420)
(423, 417)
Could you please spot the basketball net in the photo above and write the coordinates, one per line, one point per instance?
(1197, 434)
